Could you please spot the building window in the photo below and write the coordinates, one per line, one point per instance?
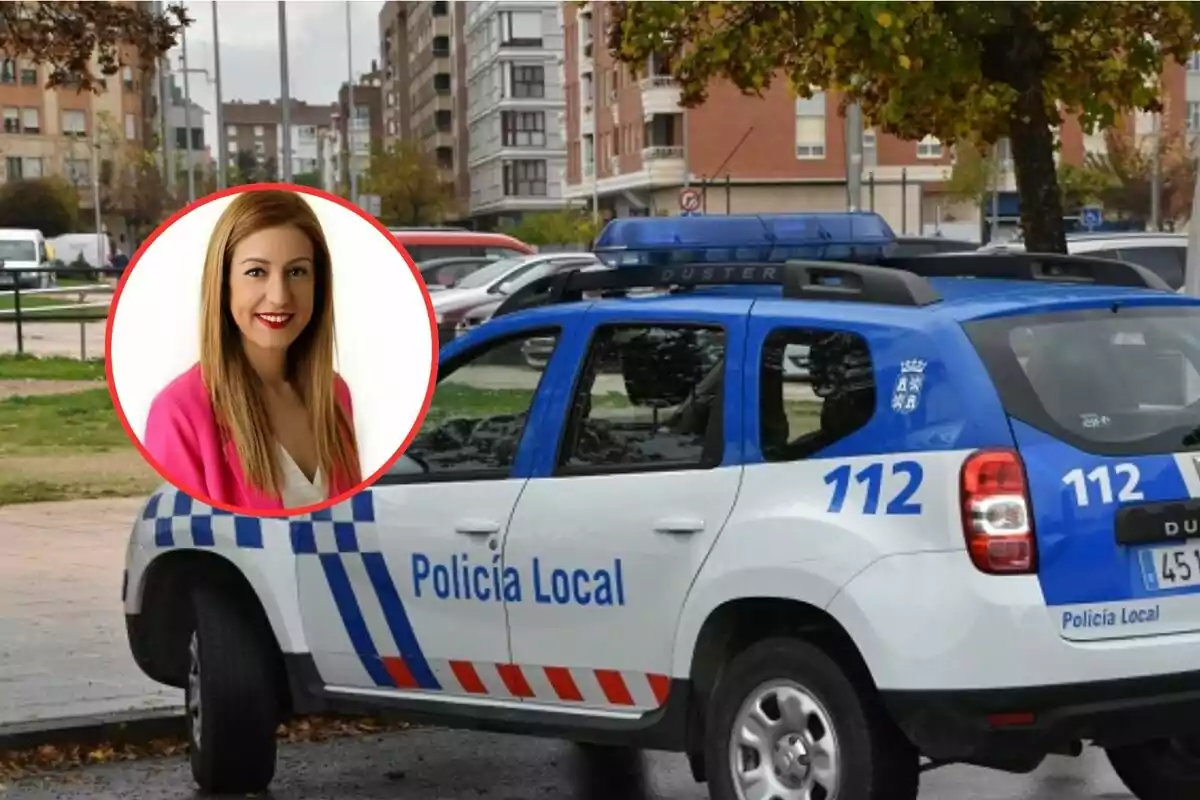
(1194, 62)
(74, 122)
(528, 81)
(258, 130)
(131, 126)
(444, 120)
(445, 157)
(29, 76)
(78, 171)
(232, 148)
(525, 178)
(31, 167)
(391, 127)
(520, 29)
(1193, 117)
(31, 120)
(127, 78)
(441, 46)
(929, 147)
(12, 167)
(524, 128)
(8, 71)
(810, 126)
(12, 120)
(441, 83)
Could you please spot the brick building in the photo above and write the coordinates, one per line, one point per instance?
(632, 147)
(254, 132)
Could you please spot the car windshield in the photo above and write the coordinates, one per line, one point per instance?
(489, 274)
(1113, 381)
(17, 250)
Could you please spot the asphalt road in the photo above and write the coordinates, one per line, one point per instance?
(448, 765)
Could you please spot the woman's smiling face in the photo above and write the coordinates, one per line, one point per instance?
(272, 286)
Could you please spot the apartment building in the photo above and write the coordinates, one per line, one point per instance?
(185, 127)
(393, 52)
(424, 82)
(357, 133)
(64, 132)
(632, 147)
(254, 138)
(517, 154)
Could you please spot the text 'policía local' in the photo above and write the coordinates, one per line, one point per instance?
(463, 579)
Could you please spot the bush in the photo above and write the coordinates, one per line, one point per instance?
(46, 204)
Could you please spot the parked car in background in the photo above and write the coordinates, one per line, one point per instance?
(21, 249)
(1165, 254)
(424, 244)
(442, 273)
(926, 245)
(483, 290)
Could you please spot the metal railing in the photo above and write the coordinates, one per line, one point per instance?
(67, 312)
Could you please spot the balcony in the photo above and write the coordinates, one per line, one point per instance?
(660, 95)
(663, 164)
(661, 153)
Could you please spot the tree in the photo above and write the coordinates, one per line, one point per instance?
(955, 70)
(569, 226)
(1122, 179)
(65, 36)
(47, 204)
(409, 185)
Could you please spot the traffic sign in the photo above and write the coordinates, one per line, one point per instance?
(1092, 217)
(689, 199)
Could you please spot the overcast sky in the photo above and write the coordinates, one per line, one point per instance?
(249, 49)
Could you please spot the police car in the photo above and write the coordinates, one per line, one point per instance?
(972, 539)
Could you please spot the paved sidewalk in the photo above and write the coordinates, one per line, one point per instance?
(63, 651)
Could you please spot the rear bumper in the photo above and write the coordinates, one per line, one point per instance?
(1016, 728)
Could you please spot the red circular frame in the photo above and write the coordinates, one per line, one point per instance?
(112, 315)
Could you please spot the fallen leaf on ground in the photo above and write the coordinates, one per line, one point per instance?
(20, 764)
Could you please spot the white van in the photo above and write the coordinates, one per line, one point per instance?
(24, 248)
(96, 251)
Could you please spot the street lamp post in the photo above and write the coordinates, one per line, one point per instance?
(222, 155)
(285, 97)
(351, 118)
(96, 194)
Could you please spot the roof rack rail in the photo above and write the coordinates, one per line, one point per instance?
(806, 280)
(1020, 266)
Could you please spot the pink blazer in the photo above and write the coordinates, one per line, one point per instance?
(183, 437)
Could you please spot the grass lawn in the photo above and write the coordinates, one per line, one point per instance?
(32, 305)
(67, 446)
(51, 368)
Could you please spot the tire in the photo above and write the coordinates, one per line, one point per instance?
(1166, 769)
(872, 759)
(231, 697)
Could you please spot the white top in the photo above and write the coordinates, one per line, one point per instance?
(299, 491)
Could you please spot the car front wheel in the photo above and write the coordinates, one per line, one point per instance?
(1164, 769)
(786, 722)
(231, 698)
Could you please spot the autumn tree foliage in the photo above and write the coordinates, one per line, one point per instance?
(960, 71)
(410, 187)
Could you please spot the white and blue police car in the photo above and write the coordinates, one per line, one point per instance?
(973, 537)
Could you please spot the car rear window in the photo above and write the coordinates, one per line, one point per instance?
(1111, 381)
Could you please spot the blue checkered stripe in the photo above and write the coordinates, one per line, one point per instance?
(181, 521)
(348, 527)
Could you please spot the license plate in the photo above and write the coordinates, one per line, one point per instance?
(1165, 568)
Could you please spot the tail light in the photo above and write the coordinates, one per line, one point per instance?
(997, 520)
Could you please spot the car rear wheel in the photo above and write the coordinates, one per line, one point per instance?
(231, 698)
(786, 723)
(1164, 769)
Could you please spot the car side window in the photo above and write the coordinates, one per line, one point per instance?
(648, 397)
(1166, 262)
(802, 411)
(477, 418)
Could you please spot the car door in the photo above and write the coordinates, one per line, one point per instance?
(400, 587)
(626, 501)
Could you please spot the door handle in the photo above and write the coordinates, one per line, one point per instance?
(679, 525)
(476, 527)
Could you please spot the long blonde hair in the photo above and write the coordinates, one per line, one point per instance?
(233, 386)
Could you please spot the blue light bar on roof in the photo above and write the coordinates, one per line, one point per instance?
(744, 238)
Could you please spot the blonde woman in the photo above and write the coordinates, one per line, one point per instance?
(262, 421)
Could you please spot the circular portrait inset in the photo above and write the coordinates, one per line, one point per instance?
(271, 350)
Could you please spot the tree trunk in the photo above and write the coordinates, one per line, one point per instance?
(1037, 174)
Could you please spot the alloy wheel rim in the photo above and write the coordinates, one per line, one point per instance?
(783, 746)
